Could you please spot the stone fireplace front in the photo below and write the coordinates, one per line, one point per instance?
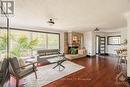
(74, 47)
(73, 40)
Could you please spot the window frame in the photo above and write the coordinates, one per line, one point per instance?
(35, 31)
(108, 43)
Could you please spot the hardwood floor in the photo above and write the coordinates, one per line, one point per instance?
(98, 72)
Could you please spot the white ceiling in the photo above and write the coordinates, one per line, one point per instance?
(70, 15)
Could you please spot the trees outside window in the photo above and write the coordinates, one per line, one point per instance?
(26, 43)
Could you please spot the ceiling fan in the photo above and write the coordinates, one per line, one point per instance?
(51, 21)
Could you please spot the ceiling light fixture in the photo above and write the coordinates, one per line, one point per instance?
(96, 30)
(51, 22)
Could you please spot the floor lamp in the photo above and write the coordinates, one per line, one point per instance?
(7, 75)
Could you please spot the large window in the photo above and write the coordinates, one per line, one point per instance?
(26, 43)
(42, 40)
(18, 40)
(114, 40)
(3, 44)
(53, 41)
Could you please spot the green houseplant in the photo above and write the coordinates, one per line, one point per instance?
(73, 50)
(23, 44)
(3, 46)
(3, 43)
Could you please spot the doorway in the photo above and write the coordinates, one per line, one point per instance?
(100, 45)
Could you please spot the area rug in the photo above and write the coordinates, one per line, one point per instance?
(52, 60)
(47, 75)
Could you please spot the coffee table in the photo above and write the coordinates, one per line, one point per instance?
(59, 63)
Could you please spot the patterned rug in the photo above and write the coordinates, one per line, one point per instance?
(47, 75)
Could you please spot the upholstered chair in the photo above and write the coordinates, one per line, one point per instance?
(4, 72)
(19, 72)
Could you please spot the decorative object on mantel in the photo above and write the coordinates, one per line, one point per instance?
(75, 40)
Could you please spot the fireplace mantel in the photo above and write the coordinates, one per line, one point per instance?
(73, 39)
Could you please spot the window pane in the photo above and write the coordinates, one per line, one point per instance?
(41, 40)
(3, 44)
(114, 40)
(41, 37)
(19, 40)
(53, 41)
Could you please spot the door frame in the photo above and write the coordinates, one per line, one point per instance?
(98, 45)
(104, 45)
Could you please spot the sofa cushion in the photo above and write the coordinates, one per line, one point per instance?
(47, 52)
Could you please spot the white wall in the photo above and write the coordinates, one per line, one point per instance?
(128, 45)
(62, 42)
(89, 42)
(110, 49)
(123, 34)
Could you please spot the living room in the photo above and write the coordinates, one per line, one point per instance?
(64, 43)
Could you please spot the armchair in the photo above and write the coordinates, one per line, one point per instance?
(19, 72)
(4, 72)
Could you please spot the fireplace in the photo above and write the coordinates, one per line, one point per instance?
(73, 41)
(73, 49)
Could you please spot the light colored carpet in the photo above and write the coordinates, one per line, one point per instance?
(52, 60)
(47, 75)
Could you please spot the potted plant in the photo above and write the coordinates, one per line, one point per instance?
(3, 44)
(73, 50)
(23, 44)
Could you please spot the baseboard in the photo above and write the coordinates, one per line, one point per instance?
(91, 56)
(128, 80)
(106, 54)
(113, 55)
